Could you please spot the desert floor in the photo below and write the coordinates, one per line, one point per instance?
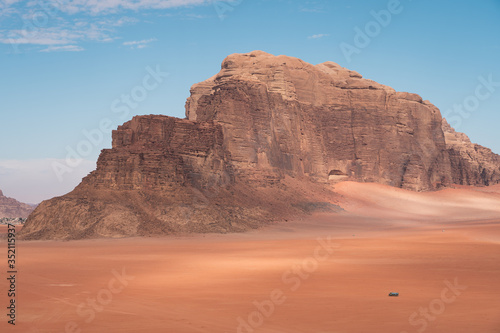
(324, 274)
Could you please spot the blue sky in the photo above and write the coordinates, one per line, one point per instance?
(65, 65)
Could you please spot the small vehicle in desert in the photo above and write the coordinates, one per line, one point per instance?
(394, 294)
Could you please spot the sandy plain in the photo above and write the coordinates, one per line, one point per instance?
(328, 273)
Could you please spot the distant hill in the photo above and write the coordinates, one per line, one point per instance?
(10, 207)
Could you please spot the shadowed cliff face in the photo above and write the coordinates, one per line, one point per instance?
(264, 140)
(159, 153)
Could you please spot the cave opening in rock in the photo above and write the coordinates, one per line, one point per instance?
(337, 173)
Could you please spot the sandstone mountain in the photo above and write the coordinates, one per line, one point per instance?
(264, 139)
(12, 208)
(281, 115)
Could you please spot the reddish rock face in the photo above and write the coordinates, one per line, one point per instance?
(471, 164)
(12, 208)
(281, 115)
(264, 139)
(160, 153)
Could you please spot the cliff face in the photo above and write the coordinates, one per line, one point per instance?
(160, 153)
(12, 208)
(162, 175)
(281, 115)
(264, 139)
(471, 164)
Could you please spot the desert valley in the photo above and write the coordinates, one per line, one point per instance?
(292, 198)
(386, 240)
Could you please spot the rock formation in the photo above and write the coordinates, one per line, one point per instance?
(281, 115)
(264, 139)
(471, 164)
(12, 208)
(166, 175)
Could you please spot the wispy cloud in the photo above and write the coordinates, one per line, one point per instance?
(69, 32)
(112, 6)
(54, 35)
(6, 8)
(52, 22)
(8, 3)
(66, 48)
(195, 16)
(318, 36)
(313, 7)
(312, 10)
(125, 20)
(139, 44)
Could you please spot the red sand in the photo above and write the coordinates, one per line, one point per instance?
(3, 229)
(391, 240)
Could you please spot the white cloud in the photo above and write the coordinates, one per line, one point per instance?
(106, 6)
(9, 8)
(8, 3)
(66, 48)
(51, 22)
(139, 44)
(318, 36)
(61, 35)
(312, 10)
(6, 11)
(41, 37)
(120, 22)
(313, 7)
(33, 181)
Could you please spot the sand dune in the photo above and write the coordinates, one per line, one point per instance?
(459, 203)
(439, 250)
